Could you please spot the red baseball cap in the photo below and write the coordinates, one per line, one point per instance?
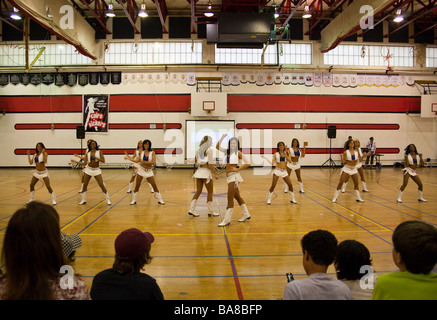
(132, 243)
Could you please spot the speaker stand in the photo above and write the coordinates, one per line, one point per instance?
(329, 162)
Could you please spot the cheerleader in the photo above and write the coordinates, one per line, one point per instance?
(233, 178)
(280, 159)
(295, 154)
(146, 160)
(92, 169)
(135, 167)
(40, 172)
(350, 158)
(411, 163)
(359, 167)
(204, 176)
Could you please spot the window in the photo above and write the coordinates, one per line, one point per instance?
(375, 56)
(431, 57)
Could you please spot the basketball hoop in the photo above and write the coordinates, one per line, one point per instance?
(208, 106)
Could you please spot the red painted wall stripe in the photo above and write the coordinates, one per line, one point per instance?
(344, 126)
(71, 152)
(112, 126)
(315, 150)
(117, 103)
(325, 103)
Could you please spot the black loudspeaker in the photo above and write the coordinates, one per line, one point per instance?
(80, 132)
(332, 132)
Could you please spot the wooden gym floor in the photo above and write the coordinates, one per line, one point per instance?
(193, 257)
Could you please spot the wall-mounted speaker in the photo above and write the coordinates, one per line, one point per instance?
(332, 132)
(80, 132)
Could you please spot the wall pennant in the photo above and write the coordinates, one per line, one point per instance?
(35, 79)
(327, 79)
(309, 79)
(82, 79)
(278, 78)
(344, 80)
(235, 81)
(4, 79)
(115, 77)
(301, 78)
(94, 78)
(60, 79)
(336, 80)
(286, 78)
(24, 79)
(260, 80)
(243, 78)
(105, 78)
(318, 80)
(191, 78)
(14, 78)
(71, 79)
(353, 80)
(226, 79)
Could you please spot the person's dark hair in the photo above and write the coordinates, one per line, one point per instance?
(416, 242)
(32, 253)
(351, 256)
(89, 144)
(298, 144)
(321, 245)
(229, 145)
(130, 266)
(407, 149)
(277, 145)
(346, 144)
(36, 147)
(150, 145)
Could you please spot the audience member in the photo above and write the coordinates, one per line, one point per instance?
(415, 253)
(353, 266)
(70, 243)
(319, 248)
(125, 281)
(33, 258)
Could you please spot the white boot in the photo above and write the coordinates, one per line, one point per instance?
(292, 200)
(129, 190)
(151, 188)
(134, 198)
(358, 196)
(160, 201)
(31, 197)
(227, 220)
(421, 197)
(285, 188)
(81, 188)
(337, 192)
(246, 214)
(108, 200)
(343, 189)
(211, 212)
(301, 187)
(53, 196)
(399, 196)
(83, 201)
(269, 197)
(364, 186)
(192, 211)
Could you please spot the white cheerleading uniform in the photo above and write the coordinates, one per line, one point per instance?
(40, 174)
(146, 173)
(91, 171)
(294, 165)
(360, 154)
(282, 173)
(233, 176)
(202, 173)
(350, 170)
(408, 170)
